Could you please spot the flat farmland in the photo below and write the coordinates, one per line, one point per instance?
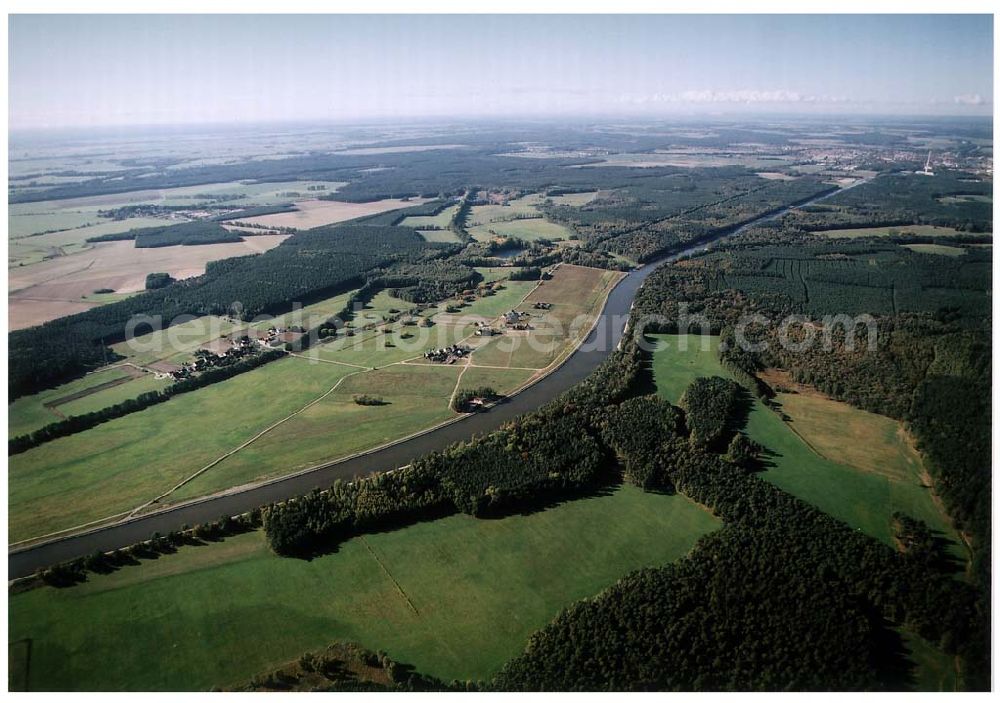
(414, 397)
(306, 405)
(445, 236)
(478, 588)
(842, 485)
(29, 413)
(526, 229)
(442, 219)
(57, 287)
(573, 199)
(576, 295)
(485, 214)
(177, 341)
(316, 213)
(939, 249)
(918, 230)
(119, 465)
(503, 381)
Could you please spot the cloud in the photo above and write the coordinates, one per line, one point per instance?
(970, 99)
(744, 97)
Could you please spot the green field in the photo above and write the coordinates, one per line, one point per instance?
(858, 496)
(439, 235)
(79, 218)
(498, 218)
(573, 199)
(442, 219)
(121, 464)
(529, 230)
(415, 397)
(918, 230)
(940, 249)
(950, 199)
(474, 590)
(112, 396)
(28, 413)
(495, 273)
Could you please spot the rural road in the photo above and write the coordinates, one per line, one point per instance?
(598, 344)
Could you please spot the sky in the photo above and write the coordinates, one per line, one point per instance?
(90, 70)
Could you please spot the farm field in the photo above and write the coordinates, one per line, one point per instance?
(528, 230)
(35, 248)
(232, 193)
(500, 219)
(442, 219)
(316, 213)
(575, 294)
(119, 465)
(478, 589)
(965, 199)
(177, 342)
(941, 249)
(28, 413)
(918, 230)
(150, 453)
(111, 396)
(445, 236)
(573, 199)
(57, 287)
(843, 484)
(415, 397)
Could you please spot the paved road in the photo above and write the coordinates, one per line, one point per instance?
(597, 346)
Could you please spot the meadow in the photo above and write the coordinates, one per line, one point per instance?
(317, 213)
(866, 470)
(455, 597)
(940, 249)
(28, 413)
(120, 465)
(918, 230)
(59, 286)
(488, 221)
(124, 463)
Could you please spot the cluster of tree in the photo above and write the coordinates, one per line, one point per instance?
(463, 400)
(712, 407)
(70, 573)
(318, 521)
(307, 266)
(344, 667)
(158, 280)
(461, 217)
(79, 423)
(647, 220)
(184, 234)
(365, 399)
(426, 281)
(634, 430)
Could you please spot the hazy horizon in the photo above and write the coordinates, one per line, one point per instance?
(110, 70)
